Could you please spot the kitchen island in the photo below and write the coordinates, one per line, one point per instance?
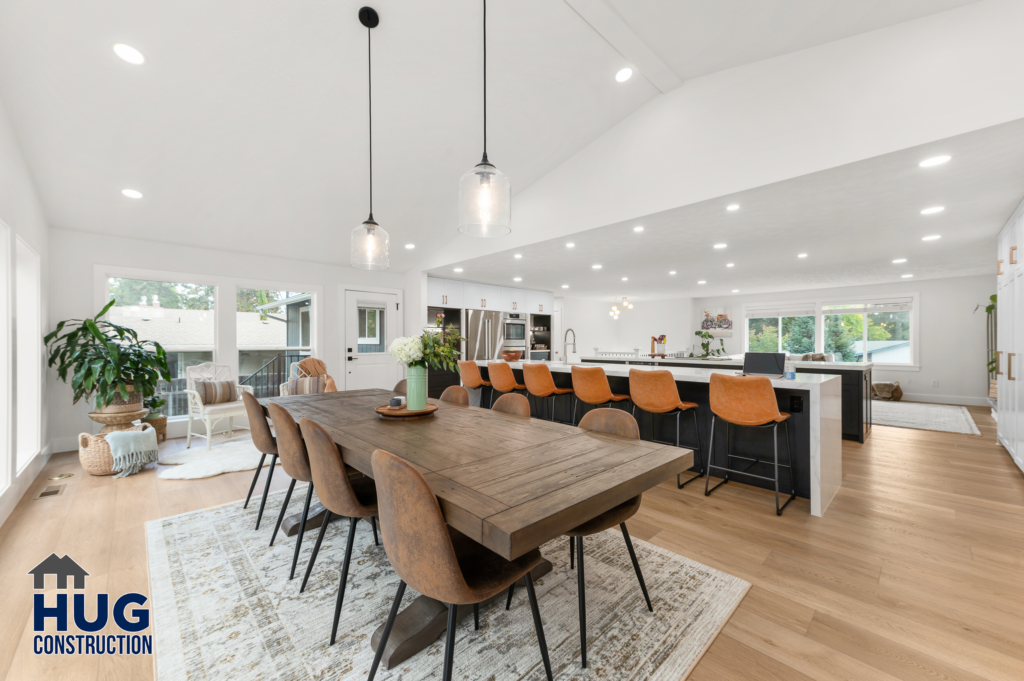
(856, 382)
(814, 400)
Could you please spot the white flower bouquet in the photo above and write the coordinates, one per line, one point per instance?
(408, 351)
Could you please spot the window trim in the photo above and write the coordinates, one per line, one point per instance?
(370, 340)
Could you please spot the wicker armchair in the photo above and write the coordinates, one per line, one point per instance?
(212, 413)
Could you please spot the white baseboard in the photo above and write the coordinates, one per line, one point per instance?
(64, 444)
(22, 484)
(947, 399)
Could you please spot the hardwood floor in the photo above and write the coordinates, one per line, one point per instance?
(915, 572)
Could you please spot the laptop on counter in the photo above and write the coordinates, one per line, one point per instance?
(770, 364)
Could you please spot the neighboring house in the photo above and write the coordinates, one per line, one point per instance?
(887, 351)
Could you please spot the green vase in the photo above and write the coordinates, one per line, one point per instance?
(416, 388)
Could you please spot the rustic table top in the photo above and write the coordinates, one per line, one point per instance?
(509, 482)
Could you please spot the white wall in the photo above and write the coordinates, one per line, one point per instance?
(74, 255)
(22, 214)
(633, 329)
(951, 334)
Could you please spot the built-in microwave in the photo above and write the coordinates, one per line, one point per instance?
(515, 331)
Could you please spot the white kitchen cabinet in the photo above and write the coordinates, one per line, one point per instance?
(513, 299)
(540, 302)
(1006, 425)
(1016, 379)
(481, 296)
(444, 292)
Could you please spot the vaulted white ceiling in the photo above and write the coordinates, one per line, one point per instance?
(246, 128)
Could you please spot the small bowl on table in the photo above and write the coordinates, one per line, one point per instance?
(511, 355)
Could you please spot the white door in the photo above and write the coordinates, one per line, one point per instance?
(1017, 384)
(1007, 425)
(370, 320)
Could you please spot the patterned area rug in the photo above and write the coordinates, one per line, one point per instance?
(224, 608)
(947, 418)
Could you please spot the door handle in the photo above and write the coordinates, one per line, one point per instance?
(1009, 366)
(1013, 255)
(998, 371)
(352, 358)
(999, 267)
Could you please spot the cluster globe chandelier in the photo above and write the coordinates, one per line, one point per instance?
(618, 307)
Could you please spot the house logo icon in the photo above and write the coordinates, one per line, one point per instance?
(62, 567)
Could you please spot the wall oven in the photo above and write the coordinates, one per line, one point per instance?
(515, 331)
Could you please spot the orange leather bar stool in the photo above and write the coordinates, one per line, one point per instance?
(295, 461)
(513, 403)
(437, 560)
(340, 495)
(656, 393)
(749, 402)
(502, 379)
(540, 383)
(590, 385)
(472, 379)
(265, 443)
(455, 394)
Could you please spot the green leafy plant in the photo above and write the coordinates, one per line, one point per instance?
(153, 404)
(707, 351)
(441, 349)
(103, 359)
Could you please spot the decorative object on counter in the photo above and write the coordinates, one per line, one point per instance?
(370, 244)
(718, 321)
(626, 306)
(887, 391)
(511, 355)
(658, 345)
(790, 372)
(406, 414)
(485, 193)
(155, 417)
(438, 347)
(707, 351)
(95, 455)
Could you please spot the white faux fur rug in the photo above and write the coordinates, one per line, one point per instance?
(947, 418)
(196, 463)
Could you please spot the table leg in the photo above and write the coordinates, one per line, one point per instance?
(290, 525)
(425, 620)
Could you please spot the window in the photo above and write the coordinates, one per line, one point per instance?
(870, 332)
(371, 329)
(179, 316)
(274, 331)
(28, 351)
(781, 329)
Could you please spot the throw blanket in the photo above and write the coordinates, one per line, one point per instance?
(311, 366)
(132, 449)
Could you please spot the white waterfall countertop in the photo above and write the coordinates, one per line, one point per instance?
(731, 360)
(824, 414)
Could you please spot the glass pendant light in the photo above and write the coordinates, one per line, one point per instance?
(485, 194)
(370, 243)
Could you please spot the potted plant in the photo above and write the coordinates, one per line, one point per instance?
(106, 362)
(705, 345)
(437, 347)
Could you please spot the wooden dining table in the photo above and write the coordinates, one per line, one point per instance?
(511, 483)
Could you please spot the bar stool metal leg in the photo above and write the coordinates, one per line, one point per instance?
(344, 577)
(449, 644)
(581, 593)
(541, 641)
(284, 509)
(302, 530)
(636, 565)
(266, 490)
(387, 630)
(511, 591)
(792, 475)
(700, 455)
(255, 477)
(316, 550)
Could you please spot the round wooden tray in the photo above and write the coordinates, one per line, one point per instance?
(403, 414)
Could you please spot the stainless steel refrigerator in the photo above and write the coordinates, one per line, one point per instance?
(485, 334)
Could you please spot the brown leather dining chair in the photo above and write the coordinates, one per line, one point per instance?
(295, 462)
(656, 393)
(748, 402)
(264, 440)
(341, 495)
(590, 385)
(471, 377)
(613, 422)
(540, 383)
(502, 379)
(455, 394)
(437, 560)
(513, 403)
(400, 387)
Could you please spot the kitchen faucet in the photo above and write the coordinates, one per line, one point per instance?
(566, 344)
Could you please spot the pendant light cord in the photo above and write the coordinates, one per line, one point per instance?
(369, 78)
(485, 82)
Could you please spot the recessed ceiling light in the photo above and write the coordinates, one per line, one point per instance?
(625, 279)
(897, 261)
(733, 206)
(129, 54)
(933, 161)
(801, 255)
(458, 269)
(410, 246)
(721, 245)
(624, 74)
(730, 264)
(518, 255)
(517, 279)
(933, 210)
(907, 276)
(565, 286)
(638, 228)
(596, 267)
(933, 237)
(702, 282)
(570, 245)
(132, 193)
(672, 272)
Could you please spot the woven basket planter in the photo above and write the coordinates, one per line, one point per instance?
(94, 452)
(119, 405)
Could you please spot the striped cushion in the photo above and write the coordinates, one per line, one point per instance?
(216, 392)
(309, 385)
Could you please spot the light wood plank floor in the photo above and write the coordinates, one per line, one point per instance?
(915, 572)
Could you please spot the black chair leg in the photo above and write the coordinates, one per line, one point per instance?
(636, 565)
(387, 630)
(538, 625)
(373, 523)
(255, 477)
(476, 617)
(511, 590)
(284, 509)
(700, 457)
(344, 577)
(449, 644)
(266, 490)
(302, 530)
(316, 550)
(581, 594)
(572, 553)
